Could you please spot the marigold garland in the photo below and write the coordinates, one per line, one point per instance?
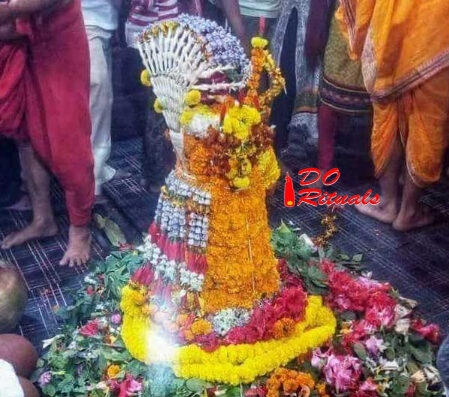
(232, 364)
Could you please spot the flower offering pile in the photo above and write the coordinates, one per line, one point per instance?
(213, 303)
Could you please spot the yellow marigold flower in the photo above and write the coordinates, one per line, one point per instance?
(138, 298)
(321, 388)
(158, 108)
(232, 173)
(250, 115)
(112, 371)
(269, 168)
(201, 327)
(145, 78)
(192, 98)
(241, 182)
(259, 42)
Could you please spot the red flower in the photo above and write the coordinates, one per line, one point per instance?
(411, 390)
(366, 389)
(256, 392)
(380, 311)
(430, 332)
(208, 342)
(349, 293)
(144, 275)
(90, 290)
(90, 329)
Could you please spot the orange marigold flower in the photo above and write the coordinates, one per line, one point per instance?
(290, 386)
(201, 327)
(182, 319)
(283, 328)
(112, 371)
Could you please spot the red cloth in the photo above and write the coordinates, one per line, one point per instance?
(12, 89)
(57, 85)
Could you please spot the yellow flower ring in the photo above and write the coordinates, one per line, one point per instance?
(233, 364)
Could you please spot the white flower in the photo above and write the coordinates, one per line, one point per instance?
(308, 241)
(401, 311)
(418, 377)
(90, 280)
(387, 365)
(432, 374)
(402, 326)
(48, 342)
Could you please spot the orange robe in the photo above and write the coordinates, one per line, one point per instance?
(404, 49)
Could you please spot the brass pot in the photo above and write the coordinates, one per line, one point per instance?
(13, 297)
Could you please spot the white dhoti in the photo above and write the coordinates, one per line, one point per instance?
(101, 97)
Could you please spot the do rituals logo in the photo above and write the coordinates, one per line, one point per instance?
(315, 196)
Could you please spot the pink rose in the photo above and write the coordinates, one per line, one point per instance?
(342, 372)
(116, 319)
(367, 389)
(431, 331)
(90, 329)
(374, 345)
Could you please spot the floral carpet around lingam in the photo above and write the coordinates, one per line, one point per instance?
(379, 348)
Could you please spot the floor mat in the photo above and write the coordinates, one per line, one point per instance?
(47, 282)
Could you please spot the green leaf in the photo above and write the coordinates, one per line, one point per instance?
(360, 351)
(111, 229)
(423, 354)
(400, 385)
(102, 363)
(49, 390)
(357, 258)
(196, 385)
(233, 392)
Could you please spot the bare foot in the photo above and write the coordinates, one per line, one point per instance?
(78, 250)
(420, 217)
(24, 204)
(385, 211)
(35, 230)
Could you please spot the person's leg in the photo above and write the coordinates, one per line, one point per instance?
(38, 184)
(60, 80)
(100, 105)
(327, 129)
(283, 105)
(426, 141)
(388, 159)
(412, 215)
